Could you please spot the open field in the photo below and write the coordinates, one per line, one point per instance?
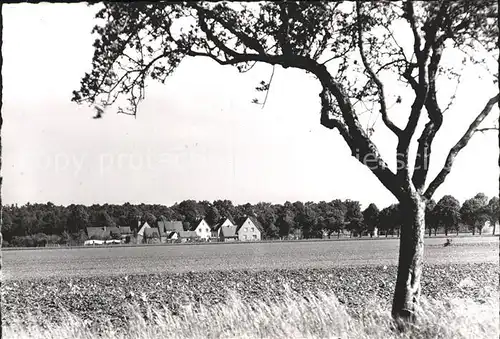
(269, 304)
(96, 261)
(317, 289)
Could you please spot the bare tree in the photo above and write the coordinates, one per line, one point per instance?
(352, 48)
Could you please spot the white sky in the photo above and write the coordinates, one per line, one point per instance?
(197, 137)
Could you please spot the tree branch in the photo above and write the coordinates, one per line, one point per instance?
(268, 88)
(482, 130)
(422, 159)
(244, 38)
(383, 108)
(421, 87)
(358, 142)
(458, 146)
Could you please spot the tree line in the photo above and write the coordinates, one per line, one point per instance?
(41, 224)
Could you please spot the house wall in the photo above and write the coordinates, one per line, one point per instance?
(203, 230)
(226, 223)
(248, 231)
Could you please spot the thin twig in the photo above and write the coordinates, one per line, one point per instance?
(268, 88)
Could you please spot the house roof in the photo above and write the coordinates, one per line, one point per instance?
(143, 228)
(197, 223)
(167, 226)
(188, 234)
(170, 234)
(119, 229)
(151, 233)
(105, 232)
(96, 232)
(254, 221)
(257, 223)
(229, 231)
(219, 224)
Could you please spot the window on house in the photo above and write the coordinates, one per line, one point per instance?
(252, 229)
(246, 229)
(245, 237)
(255, 236)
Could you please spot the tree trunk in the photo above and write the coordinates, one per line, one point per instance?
(494, 226)
(435, 231)
(446, 231)
(457, 232)
(473, 231)
(430, 231)
(411, 252)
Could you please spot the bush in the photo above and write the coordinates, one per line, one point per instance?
(53, 239)
(115, 235)
(40, 239)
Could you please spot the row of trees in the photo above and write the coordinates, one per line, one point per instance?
(39, 224)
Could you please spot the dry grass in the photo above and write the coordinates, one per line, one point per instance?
(296, 316)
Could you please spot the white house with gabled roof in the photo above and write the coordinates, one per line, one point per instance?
(203, 230)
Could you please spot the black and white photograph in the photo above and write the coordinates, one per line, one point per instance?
(240, 169)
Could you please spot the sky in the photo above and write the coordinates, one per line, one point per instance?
(196, 137)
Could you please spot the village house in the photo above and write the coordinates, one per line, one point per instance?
(96, 233)
(216, 229)
(151, 235)
(186, 236)
(228, 233)
(225, 230)
(202, 230)
(121, 233)
(140, 233)
(169, 230)
(250, 230)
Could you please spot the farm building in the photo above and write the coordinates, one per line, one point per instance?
(169, 230)
(104, 233)
(202, 230)
(151, 235)
(223, 223)
(228, 233)
(120, 232)
(140, 234)
(97, 233)
(188, 236)
(250, 230)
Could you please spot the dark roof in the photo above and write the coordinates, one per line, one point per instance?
(166, 226)
(195, 225)
(96, 232)
(229, 231)
(219, 224)
(119, 229)
(188, 234)
(257, 224)
(151, 233)
(170, 234)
